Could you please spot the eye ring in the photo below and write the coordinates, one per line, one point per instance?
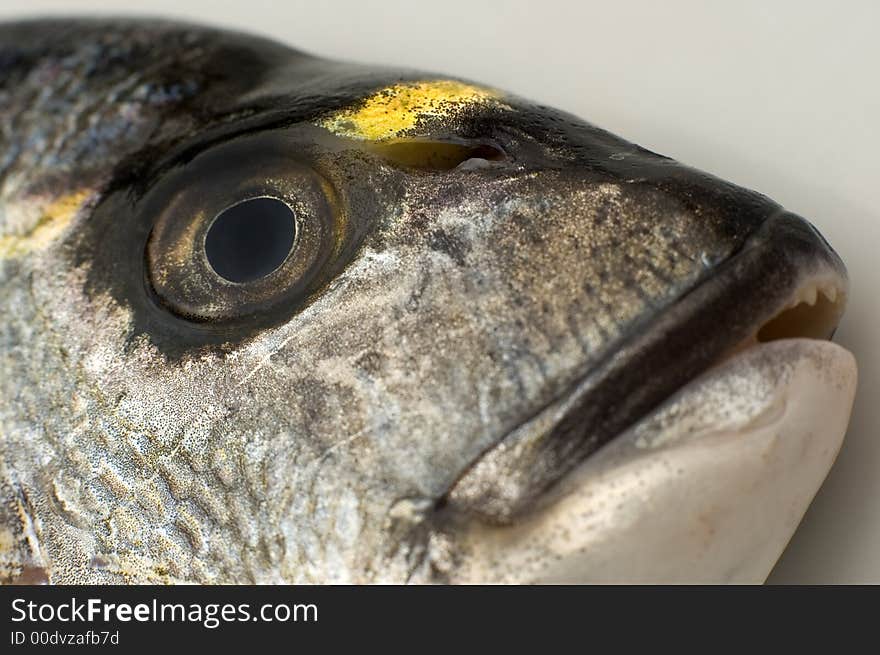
(186, 204)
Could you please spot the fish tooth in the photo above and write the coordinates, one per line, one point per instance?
(810, 295)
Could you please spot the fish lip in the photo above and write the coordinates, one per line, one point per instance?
(784, 255)
(708, 487)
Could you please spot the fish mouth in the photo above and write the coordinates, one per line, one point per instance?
(785, 282)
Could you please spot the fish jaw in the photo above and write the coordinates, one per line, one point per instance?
(708, 488)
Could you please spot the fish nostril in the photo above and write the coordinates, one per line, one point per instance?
(439, 155)
(250, 239)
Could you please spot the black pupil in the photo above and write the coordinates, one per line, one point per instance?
(251, 239)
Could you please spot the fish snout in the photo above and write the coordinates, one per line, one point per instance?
(741, 345)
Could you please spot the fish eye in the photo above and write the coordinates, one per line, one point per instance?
(250, 239)
(240, 229)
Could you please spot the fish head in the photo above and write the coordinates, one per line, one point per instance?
(276, 318)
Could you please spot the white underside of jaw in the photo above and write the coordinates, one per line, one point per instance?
(708, 489)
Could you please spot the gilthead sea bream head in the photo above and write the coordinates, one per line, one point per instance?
(274, 318)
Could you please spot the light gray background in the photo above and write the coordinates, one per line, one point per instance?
(781, 97)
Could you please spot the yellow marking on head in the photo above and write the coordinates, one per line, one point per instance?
(389, 113)
(55, 217)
